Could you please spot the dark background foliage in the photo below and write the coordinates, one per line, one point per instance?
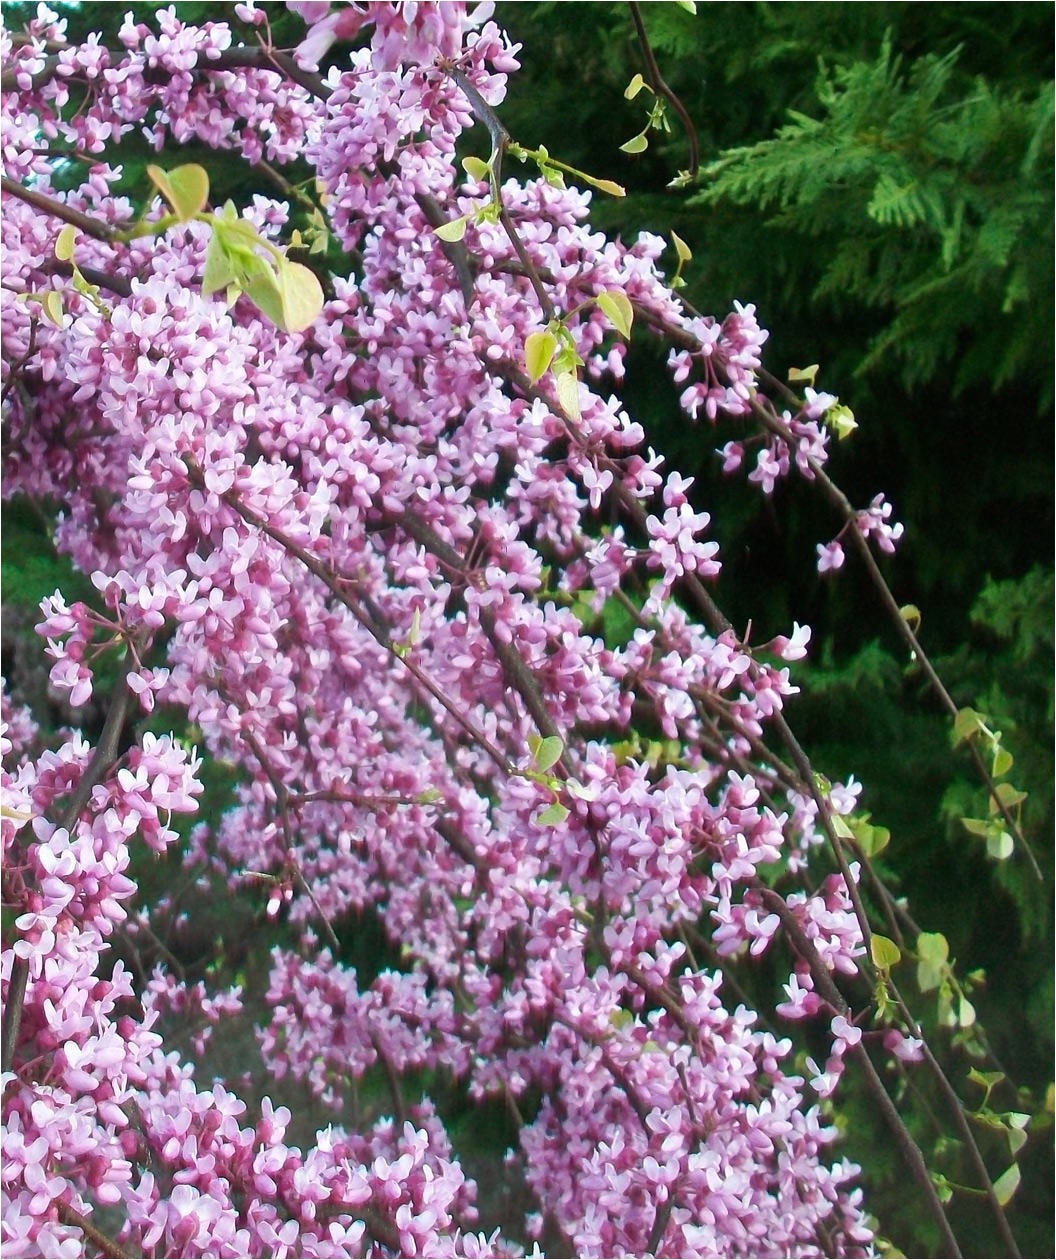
(876, 178)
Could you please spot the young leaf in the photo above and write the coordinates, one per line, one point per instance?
(476, 168)
(933, 950)
(803, 376)
(681, 248)
(1007, 1184)
(453, 231)
(1000, 846)
(302, 296)
(842, 827)
(568, 394)
(618, 310)
(841, 420)
(553, 816)
(64, 244)
(966, 724)
(186, 188)
(608, 186)
(634, 87)
(263, 290)
(636, 144)
(539, 348)
(1002, 762)
(548, 752)
(911, 615)
(52, 303)
(884, 952)
(218, 273)
(1008, 795)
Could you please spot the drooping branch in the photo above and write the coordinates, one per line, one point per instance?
(92, 227)
(656, 82)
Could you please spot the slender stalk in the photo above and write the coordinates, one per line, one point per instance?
(656, 82)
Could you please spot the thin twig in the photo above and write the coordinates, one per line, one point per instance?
(103, 1242)
(40, 201)
(656, 82)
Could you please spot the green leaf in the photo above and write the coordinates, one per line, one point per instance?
(476, 168)
(301, 294)
(1000, 846)
(965, 1013)
(218, 273)
(976, 826)
(1002, 762)
(52, 303)
(803, 376)
(186, 188)
(618, 310)
(1007, 1184)
(911, 615)
(933, 951)
(1008, 795)
(884, 952)
(841, 420)
(263, 290)
(539, 350)
(689, 6)
(568, 394)
(966, 724)
(608, 186)
(64, 243)
(842, 827)
(453, 231)
(636, 144)
(681, 248)
(871, 839)
(553, 816)
(634, 87)
(548, 752)
(985, 1080)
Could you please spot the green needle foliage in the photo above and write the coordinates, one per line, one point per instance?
(922, 198)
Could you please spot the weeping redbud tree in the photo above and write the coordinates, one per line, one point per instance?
(349, 472)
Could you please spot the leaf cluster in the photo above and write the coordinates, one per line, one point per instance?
(930, 200)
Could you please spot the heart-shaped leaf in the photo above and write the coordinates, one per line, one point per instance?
(64, 243)
(539, 348)
(618, 310)
(186, 188)
(453, 231)
(302, 296)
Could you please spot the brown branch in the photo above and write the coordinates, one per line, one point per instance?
(40, 201)
(16, 998)
(103, 1243)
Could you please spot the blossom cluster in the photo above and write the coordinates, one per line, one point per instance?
(366, 562)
